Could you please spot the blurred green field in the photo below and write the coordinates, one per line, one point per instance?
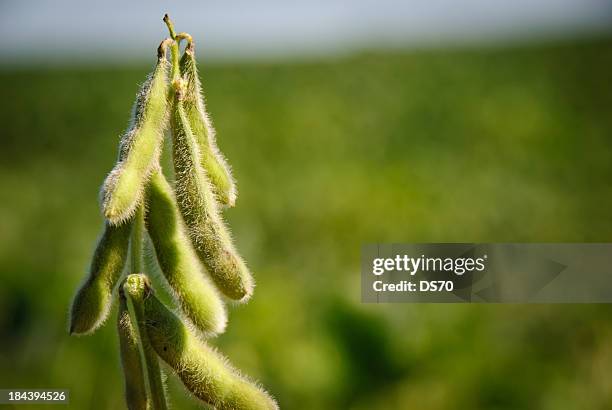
(441, 146)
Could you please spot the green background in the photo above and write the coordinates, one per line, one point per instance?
(474, 145)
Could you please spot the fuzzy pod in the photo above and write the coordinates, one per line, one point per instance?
(92, 301)
(211, 158)
(136, 289)
(135, 388)
(203, 371)
(191, 288)
(140, 146)
(210, 236)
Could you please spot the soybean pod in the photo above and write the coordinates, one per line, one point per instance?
(92, 301)
(203, 371)
(196, 201)
(140, 146)
(211, 158)
(192, 290)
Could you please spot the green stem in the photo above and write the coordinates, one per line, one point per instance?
(136, 242)
(170, 25)
(174, 48)
(150, 362)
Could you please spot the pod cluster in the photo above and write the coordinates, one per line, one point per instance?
(193, 246)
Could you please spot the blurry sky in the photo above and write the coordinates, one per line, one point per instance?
(119, 29)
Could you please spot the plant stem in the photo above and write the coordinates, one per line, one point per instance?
(136, 262)
(170, 25)
(174, 48)
(150, 362)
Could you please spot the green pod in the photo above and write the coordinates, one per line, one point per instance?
(140, 146)
(193, 291)
(92, 301)
(203, 371)
(135, 389)
(136, 289)
(197, 203)
(211, 158)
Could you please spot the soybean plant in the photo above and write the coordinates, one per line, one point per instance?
(193, 248)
